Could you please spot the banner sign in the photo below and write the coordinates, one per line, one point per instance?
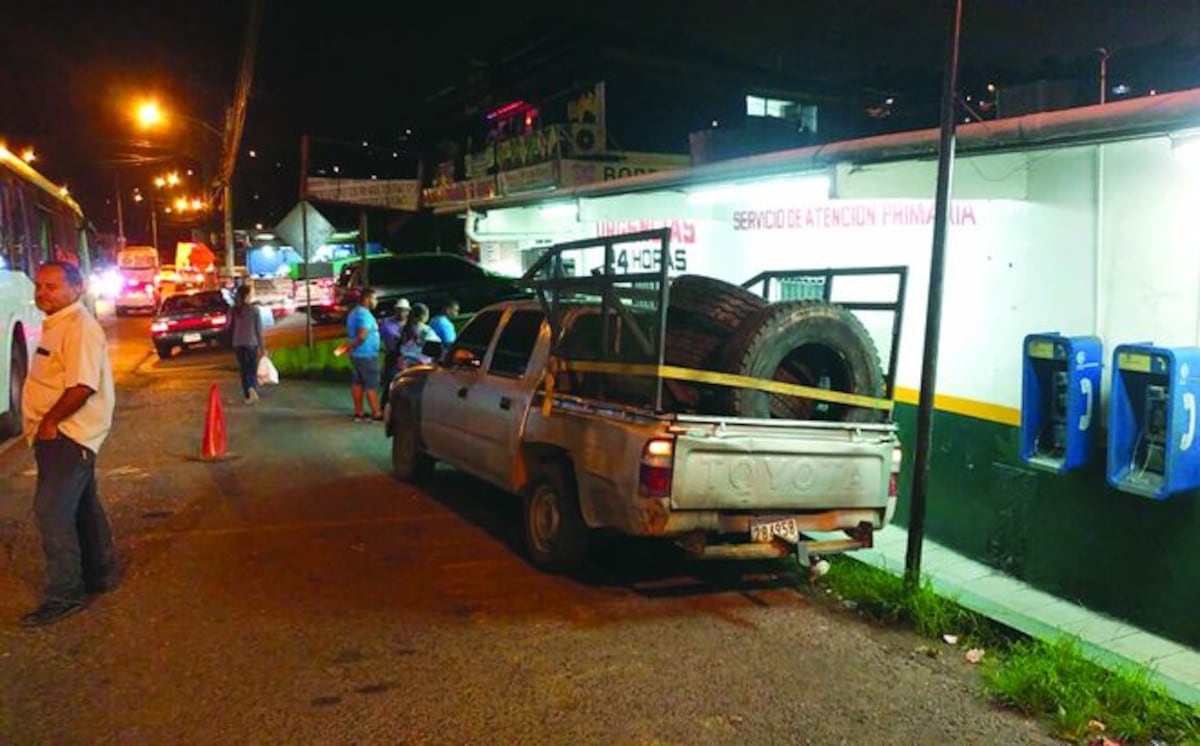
(393, 194)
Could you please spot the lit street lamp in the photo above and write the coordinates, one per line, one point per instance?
(151, 116)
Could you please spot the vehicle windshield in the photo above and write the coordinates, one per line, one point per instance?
(195, 302)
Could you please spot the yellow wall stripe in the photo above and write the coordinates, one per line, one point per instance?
(967, 407)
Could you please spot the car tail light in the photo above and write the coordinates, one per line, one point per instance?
(159, 326)
(218, 320)
(654, 474)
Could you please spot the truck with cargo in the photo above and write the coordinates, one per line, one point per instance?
(685, 408)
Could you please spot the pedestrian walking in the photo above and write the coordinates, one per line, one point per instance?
(443, 325)
(363, 346)
(68, 408)
(247, 338)
(389, 335)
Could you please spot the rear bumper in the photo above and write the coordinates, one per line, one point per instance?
(176, 338)
(715, 534)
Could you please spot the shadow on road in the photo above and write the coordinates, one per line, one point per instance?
(652, 568)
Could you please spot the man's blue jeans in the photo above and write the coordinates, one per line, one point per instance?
(76, 537)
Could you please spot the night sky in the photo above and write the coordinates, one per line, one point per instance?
(354, 70)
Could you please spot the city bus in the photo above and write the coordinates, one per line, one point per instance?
(39, 221)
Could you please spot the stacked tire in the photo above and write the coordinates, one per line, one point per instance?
(714, 325)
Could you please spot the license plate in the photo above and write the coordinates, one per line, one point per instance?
(766, 531)
(190, 338)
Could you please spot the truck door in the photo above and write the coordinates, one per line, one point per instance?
(500, 397)
(447, 412)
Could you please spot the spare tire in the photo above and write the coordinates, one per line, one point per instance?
(811, 343)
(702, 313)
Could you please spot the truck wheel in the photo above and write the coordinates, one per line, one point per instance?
(556, 537)
(10, 421)
(811, 343)
(409, 463)
(164, 351)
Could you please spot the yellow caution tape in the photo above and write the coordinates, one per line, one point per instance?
(720, 379)
(548, 399)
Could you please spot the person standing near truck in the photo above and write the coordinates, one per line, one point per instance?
(443, 325)
(389, 334)
(363, 347)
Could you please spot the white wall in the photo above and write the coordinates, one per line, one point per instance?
(1021, 252)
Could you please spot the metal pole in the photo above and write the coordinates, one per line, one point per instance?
(120, 214)
(308, 325)
(228, 207)
(1103, 73)
(154, 223)
(933, 317)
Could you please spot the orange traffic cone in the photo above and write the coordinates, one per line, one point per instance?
(213, 446)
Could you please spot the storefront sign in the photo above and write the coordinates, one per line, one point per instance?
(460, 191)
(852, 214)
(527, 179)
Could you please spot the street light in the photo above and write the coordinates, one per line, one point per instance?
(150, 115)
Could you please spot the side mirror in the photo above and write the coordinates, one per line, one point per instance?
(432, 349)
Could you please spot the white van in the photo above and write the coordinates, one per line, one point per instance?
(138, 269)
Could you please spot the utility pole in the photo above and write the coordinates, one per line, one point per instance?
(933, 316)
(235, 117)
(154, 222)
(120, 214)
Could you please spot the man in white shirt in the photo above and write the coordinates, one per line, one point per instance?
(68, 407)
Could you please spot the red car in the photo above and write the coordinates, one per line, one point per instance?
(190, 319)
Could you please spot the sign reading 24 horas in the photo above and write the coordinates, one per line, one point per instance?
(646, 256)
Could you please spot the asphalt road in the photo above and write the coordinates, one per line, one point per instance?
(296, 593)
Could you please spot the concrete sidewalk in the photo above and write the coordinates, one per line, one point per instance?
(1110, 641)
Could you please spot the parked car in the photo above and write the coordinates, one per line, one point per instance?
(191, 319)
(432, 279)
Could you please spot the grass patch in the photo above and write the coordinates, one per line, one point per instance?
(319, 363)
(1054, 681)
(882, 596)
(1057, 682)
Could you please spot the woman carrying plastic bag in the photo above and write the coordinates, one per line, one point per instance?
(268, 374)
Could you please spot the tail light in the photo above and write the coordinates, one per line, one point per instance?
(654, 473)
(894, 478)
(218, 320)
(159, 326)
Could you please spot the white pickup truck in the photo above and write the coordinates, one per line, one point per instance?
(505, 404)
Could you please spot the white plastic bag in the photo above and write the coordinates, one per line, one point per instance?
(267, 372)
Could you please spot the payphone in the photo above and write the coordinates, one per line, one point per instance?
(1152, 420)
(1060, 390)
